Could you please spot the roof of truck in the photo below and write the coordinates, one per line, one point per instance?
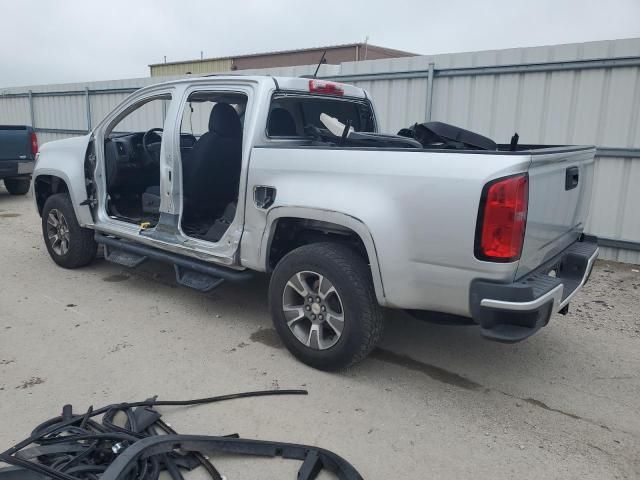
(301, 84)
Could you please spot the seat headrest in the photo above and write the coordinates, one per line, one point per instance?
(281, 123)
(224, 121)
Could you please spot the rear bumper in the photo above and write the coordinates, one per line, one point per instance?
(515, 311)
(16, 168)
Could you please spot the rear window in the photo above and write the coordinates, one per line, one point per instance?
(289, 115)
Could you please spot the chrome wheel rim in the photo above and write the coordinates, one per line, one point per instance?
(313, 310)
(58, 232)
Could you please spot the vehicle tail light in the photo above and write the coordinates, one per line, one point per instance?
(321, 86)
(34, 143)
(502, 219)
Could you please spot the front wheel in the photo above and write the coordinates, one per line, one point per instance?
(17, 186)
(324, 307)
(69, 245)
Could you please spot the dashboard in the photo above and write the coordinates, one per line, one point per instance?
(127, 148)
(127, 164)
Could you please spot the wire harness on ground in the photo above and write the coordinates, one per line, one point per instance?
(132, 442)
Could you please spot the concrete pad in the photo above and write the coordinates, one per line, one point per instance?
(432, 402)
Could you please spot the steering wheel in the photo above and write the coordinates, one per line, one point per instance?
(151, 149)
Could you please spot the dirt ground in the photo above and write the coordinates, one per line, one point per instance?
(432, 402)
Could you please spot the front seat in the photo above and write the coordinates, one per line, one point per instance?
(212, 174)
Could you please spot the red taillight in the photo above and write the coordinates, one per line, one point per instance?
(502, 219)
(330, 88)
(34, 143)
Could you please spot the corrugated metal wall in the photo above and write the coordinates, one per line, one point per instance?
(14, 111)
(567, 94)
(196, 67)
(615, 206)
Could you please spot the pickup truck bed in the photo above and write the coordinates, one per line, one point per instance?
(422, 209)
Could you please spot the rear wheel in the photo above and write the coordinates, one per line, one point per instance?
(17, 186)
(69, 245)
(324, 307)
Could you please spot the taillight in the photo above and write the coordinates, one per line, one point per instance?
(502, 219)
(321, 86)
(34, 143)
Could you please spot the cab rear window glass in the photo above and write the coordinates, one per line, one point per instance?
(288, 116)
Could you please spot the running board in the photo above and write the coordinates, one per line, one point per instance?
(190, 272)
(196, 280)
(121, 257)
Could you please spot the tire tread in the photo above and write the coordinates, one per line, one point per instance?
(357, 273)
(17, 186)
(83, 248)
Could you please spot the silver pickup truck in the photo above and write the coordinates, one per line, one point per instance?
(223, 176)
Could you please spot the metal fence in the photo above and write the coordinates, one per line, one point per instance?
(567, 94)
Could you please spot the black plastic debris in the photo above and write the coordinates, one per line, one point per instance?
(132, 442)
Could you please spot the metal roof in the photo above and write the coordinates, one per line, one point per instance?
(285, 52)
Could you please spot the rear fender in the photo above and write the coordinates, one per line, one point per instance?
(330, 216)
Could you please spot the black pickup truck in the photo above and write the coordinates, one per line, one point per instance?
(18, 149)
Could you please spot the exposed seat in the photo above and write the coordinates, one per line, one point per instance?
(212, 174)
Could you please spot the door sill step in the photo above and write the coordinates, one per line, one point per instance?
(192, 273)
(122, 257)
(196, 280)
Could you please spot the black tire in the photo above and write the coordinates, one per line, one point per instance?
(17, 186)
(350, 275)
(82, 248)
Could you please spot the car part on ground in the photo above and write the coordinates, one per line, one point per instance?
(77, 447)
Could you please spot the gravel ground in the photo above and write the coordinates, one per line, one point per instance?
(432, 402)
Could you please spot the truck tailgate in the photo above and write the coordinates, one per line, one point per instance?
(559, 195)
(15, 143)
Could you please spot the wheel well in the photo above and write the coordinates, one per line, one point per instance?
(47, 185)
(291, 233)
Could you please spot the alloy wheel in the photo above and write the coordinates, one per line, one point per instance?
(58, 232)
(313, 310)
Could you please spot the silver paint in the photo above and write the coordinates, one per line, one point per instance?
(415, 211)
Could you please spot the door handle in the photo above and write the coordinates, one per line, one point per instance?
(264, 196)
(571, 178)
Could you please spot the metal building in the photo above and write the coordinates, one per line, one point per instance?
(586, 93)
(288, 58)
